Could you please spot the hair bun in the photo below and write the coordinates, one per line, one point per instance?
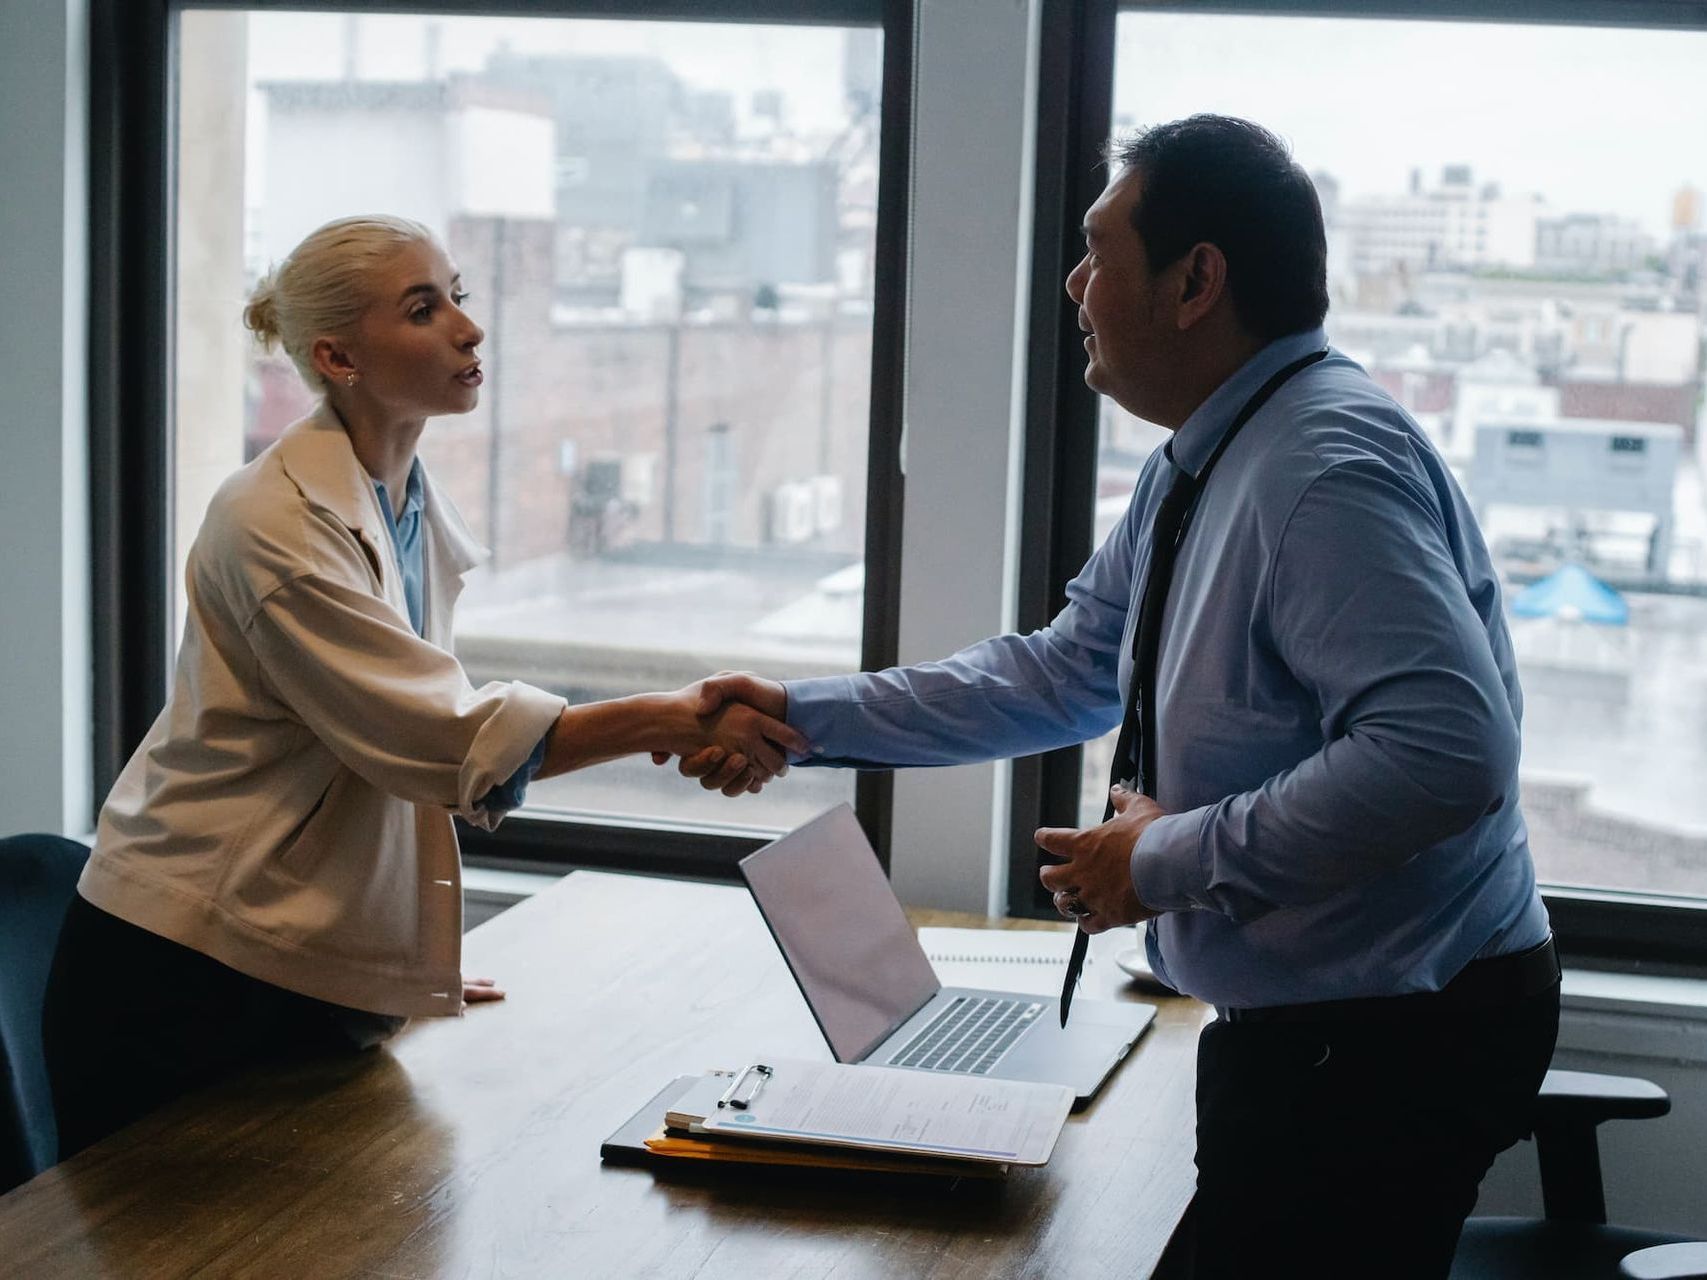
(261, 316)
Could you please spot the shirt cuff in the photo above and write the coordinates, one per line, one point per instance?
(1167, 867)
(512, 792)
(817, 706)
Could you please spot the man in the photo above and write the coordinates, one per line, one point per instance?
(1331, 852)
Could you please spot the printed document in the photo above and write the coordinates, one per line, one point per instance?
(888, 1108)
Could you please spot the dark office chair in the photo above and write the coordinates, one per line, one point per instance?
(1574, 1242)
(38, 875)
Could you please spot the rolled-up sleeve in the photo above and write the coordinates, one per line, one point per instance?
(1366, 609)
(392, 707)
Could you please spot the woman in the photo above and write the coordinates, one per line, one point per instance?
(275, 872)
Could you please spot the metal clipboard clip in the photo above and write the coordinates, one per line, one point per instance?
(732, 1096)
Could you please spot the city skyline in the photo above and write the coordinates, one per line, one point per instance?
(578, 574)
(797, 61)
(1591, 116)
(1586, 116)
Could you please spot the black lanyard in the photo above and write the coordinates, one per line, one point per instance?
(1179, 504)
(1167, 533)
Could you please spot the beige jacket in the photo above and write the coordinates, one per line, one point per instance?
(290, 811)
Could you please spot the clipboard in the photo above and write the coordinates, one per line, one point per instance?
(627, 1146)
(643, 1141)
(917, 1114)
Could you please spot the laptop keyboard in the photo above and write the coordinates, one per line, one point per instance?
(970, 1035)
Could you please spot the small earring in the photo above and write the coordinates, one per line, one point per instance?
(349, 379)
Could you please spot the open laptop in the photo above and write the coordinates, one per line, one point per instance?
(873, 991)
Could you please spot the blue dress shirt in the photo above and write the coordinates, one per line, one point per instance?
(1338, 705)
(405, 531)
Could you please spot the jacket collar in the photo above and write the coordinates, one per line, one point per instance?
(451, 537)
(317, 456)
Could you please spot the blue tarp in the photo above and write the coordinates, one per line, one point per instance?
(1573, 591)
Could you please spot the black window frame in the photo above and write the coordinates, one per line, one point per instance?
(133, 127)
(1605, 929)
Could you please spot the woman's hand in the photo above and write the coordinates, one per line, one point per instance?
(754, 740)
(745, 737)
(751, 745)
(480, 991)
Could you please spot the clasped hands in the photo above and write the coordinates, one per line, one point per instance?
(741, 741)
(747, 741)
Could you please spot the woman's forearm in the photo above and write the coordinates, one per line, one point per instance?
(682, 723)
(595, 732)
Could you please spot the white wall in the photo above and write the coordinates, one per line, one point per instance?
(1660, 346)
(384, 162)
(212, 345)
(503, 164)
(1510, 223)
(971, 235)
(44, 541)
(424, 162)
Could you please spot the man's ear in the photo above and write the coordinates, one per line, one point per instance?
(1203, 282)
(330, 359)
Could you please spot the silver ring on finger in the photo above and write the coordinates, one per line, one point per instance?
(1068, 903)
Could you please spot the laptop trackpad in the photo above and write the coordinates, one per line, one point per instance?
(1082, 1055)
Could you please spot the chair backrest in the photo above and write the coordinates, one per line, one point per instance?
(38, 875)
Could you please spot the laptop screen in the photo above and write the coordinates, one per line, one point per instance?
(857, 960)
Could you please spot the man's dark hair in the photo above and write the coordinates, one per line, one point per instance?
(1235, 185)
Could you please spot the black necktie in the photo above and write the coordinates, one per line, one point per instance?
(1140, 719)
(1146, 643)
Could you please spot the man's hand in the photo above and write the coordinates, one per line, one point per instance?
(1097, 871)
(763, 695)
(745, 713)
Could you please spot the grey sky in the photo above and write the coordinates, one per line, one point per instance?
(1596, 120)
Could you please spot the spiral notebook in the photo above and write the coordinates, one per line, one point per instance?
(1026, 960)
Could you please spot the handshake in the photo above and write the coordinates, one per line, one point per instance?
(732, 735)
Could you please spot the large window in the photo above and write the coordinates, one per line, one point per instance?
(1516, 252)
(685, 455)
(668, 230)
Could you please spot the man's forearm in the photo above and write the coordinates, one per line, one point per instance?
(1008, 696)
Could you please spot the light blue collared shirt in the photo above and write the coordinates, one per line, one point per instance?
(405, 530)
(1338, 704)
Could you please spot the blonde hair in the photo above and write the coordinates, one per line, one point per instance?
(325, 284)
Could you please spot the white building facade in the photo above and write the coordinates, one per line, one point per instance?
(1452, 224)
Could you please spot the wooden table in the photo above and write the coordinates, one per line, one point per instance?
(469, 1147)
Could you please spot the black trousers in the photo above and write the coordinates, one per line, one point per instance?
(1353, 1146)
(132, 1020)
